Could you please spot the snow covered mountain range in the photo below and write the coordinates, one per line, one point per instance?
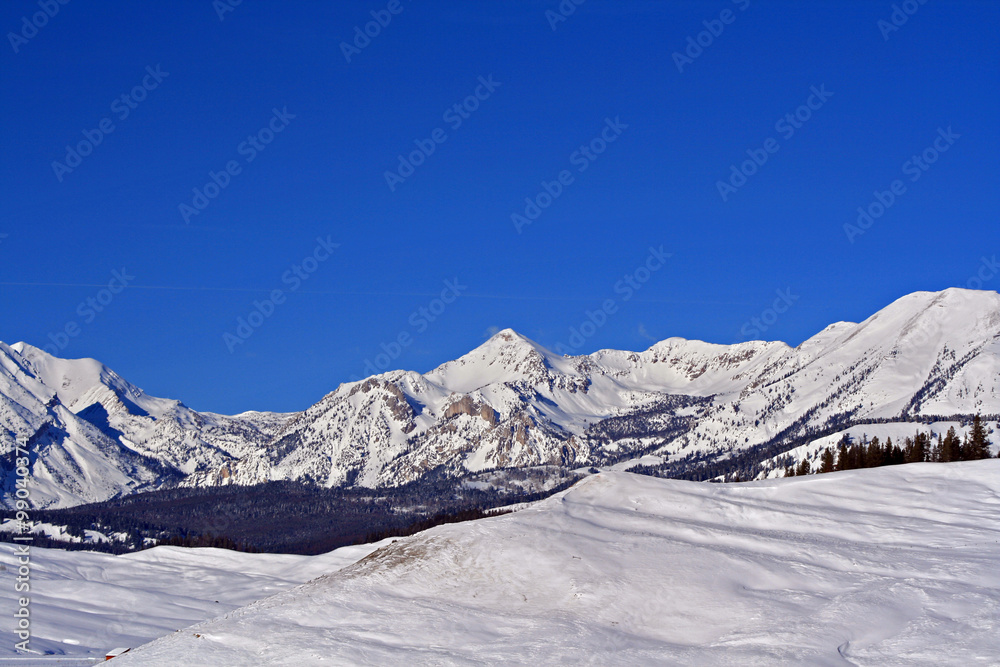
(512, 403)
(93, 435)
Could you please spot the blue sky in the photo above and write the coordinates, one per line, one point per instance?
(599, 109)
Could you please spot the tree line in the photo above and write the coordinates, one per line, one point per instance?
(294, 517)
(922, 447)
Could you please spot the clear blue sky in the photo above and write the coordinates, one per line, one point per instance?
(323, 175)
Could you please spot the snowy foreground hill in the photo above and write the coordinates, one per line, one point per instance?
(694, 408)
(84, 603)
(887, 566)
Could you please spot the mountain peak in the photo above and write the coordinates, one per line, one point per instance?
(507, 334)
(506, 341)
(509, 337)
(506, 357)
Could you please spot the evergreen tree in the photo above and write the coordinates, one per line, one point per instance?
(951, 446)
(894, 455)
(922, 443)
(979, 444)
(804, 467)
(910, 453)
(860, 453)
(826, 461)
(937, 454)
(875, 455)
(843, 455)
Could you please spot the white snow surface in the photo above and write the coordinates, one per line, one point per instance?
(889, 566)
(85, 603)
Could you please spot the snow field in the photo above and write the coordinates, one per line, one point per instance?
(888, 566)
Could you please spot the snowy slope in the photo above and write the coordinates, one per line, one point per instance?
(72, 460)
(888, 566)
(85, 603)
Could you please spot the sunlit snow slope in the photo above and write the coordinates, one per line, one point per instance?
(888, 566)
(84, 604)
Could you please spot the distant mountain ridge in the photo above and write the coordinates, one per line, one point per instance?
(93, 435)
(512, 403)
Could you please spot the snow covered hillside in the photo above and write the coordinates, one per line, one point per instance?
(689, 405)
(84, 604)
(888, 566)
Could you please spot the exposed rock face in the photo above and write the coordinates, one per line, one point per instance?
(467, 406)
